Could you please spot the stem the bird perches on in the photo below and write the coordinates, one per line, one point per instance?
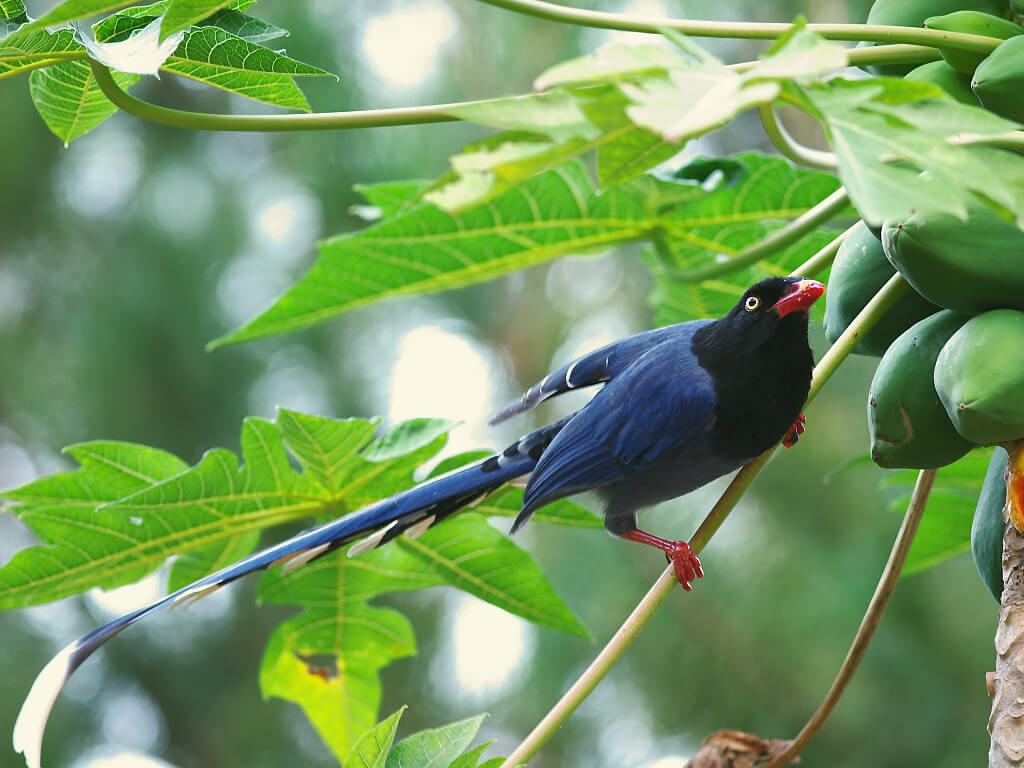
(868, 625)
(666, 583)
(1005, 724)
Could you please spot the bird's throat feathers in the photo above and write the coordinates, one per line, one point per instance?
(762, 374)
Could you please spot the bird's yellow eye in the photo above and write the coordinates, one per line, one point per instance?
(752, 303)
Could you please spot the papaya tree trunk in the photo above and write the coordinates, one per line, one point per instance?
(1006, 723)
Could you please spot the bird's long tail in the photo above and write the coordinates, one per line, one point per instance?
(410, 512)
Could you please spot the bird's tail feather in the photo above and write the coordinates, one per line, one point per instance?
(411, 512)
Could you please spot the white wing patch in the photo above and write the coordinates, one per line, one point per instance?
(372, 541)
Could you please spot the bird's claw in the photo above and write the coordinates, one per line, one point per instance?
(795, 431)
(685, 563)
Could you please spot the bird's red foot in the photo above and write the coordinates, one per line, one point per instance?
(795, 431)
(684, 562)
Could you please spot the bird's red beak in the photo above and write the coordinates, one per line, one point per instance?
(805, 292)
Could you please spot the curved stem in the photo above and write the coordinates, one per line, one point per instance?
(1012, 140)
(790, 233)
(868, 625)
(750, 30)
(644, 611)
(201, 121)
(790, 147)
(824, 257)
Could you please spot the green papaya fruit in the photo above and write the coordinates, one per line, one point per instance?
(971, 23)
(858, 273)
(908, 425)
(912, 13)
(988, 526)
(948, 79)
(970, 266)
(979, 376)
(999, 80)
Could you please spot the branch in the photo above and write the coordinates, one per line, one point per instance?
(644, 611)
(202, 121)
(868, 625)
(797, 228)
(790, 147)
(876, 33)
(824, 257)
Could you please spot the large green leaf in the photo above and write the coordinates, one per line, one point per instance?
(86, 544)
(895, 157)
(68, 99)
(22, 52)
(754, 197)
(423, 249)
(945, 529)
(327, 658)
(128, 508)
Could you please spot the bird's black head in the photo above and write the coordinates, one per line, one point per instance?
(771, 303)
(761, 362)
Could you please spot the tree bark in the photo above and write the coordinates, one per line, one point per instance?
(1006, 723)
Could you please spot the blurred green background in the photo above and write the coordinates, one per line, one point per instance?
(121, 256)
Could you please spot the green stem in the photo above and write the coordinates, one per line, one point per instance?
(1012, 140)
(822, 258)
(201, 121)
(868, 625)
(644, 611)
(797, 228)
(749, 30)
(375, 118)
(790, 147)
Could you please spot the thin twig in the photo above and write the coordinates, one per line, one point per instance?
(870, 622)
(644, 611)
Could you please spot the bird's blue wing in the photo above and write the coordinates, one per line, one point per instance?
(650, 411)
(596, 367)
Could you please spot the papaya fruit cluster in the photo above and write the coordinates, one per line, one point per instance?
(952, 369)
(951, 374)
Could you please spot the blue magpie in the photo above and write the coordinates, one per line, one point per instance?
(680, 406)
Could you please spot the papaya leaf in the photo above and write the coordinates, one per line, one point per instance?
(119, 25)
(371, 751)
(214, 56)
(182, 14)
(388, 198)
(698, 97)
(424, 249)
(68, 99)
(945, 529)
(892, 141)
(21, 52)
(72, 10)
(11, 10)
(753, 197)
(86, 544)
(474, 557)
(436, 747)
(327, 658)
